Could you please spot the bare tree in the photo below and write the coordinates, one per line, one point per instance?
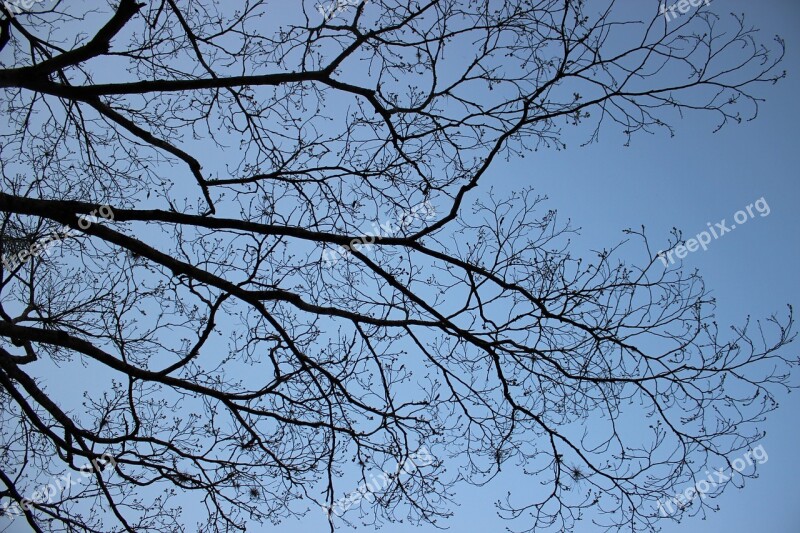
(187, 189)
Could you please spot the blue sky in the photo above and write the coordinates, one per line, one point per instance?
(686, 181)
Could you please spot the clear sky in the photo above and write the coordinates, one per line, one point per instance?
(684, 182)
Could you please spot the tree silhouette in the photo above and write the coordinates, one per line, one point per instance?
(210, 349)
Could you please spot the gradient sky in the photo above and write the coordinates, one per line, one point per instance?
(684, 182)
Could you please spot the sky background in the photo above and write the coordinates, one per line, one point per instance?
(684, 182)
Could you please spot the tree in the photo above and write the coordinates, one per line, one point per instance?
(246, 227)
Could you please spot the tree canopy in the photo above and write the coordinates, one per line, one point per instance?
(251, 235)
